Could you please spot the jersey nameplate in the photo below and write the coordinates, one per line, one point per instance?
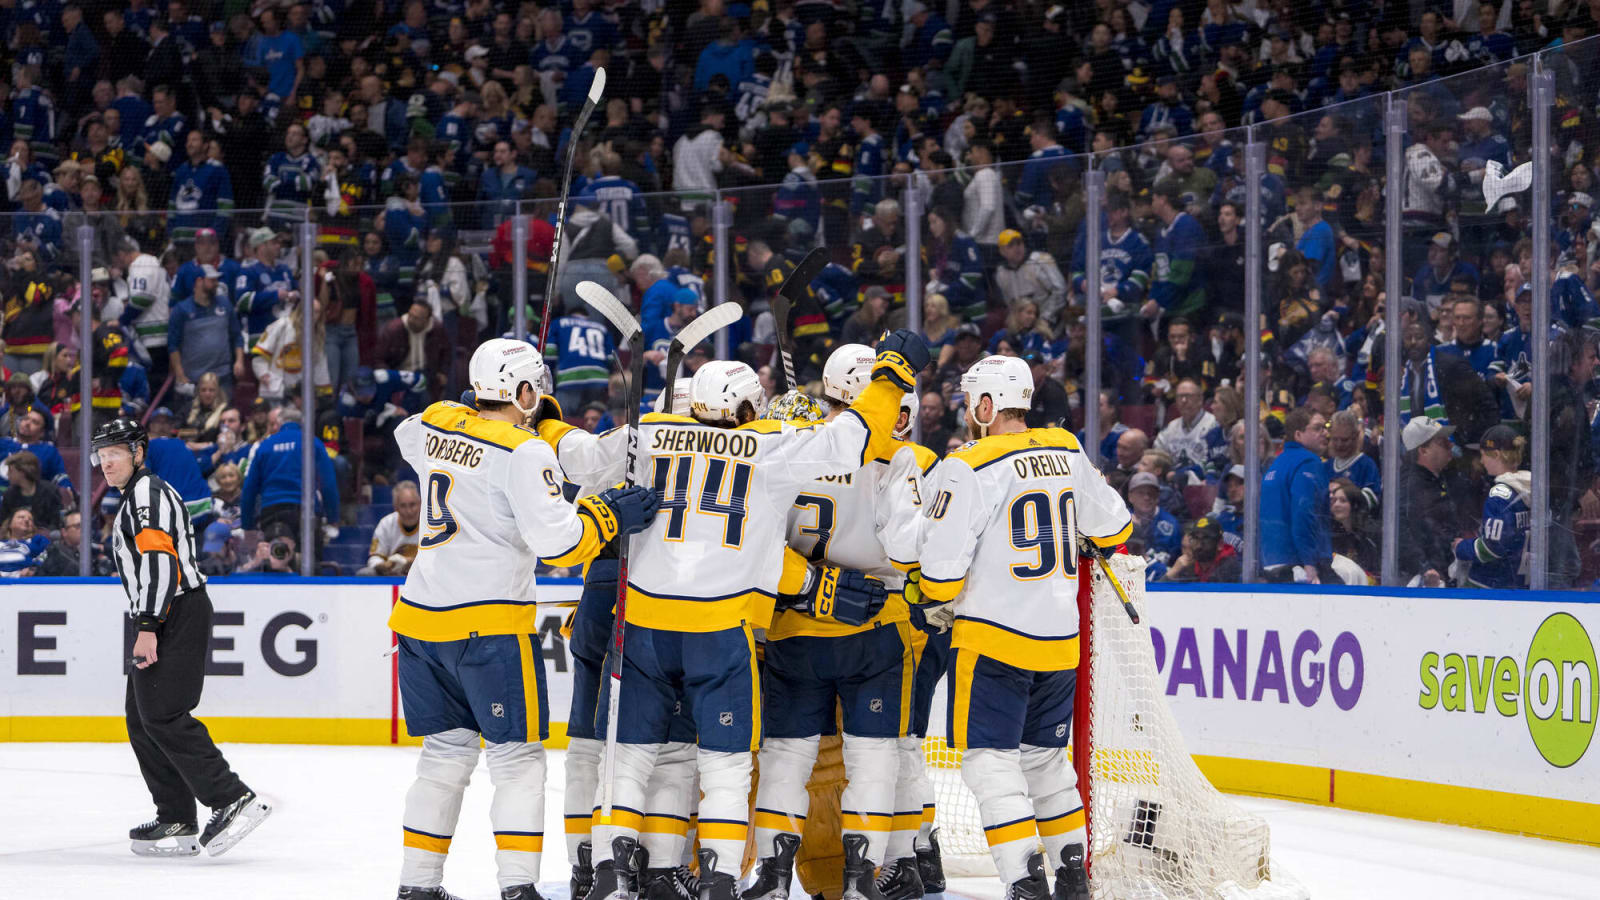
(701, 440)
(455, 451)
(1041, 466)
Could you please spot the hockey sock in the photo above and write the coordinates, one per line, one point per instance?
(634, 764)
(724, 808)
(433, 804)
(996, 780)
(1053, 787)
(668, 803)
(909, 776)
(582, 781)
(517, 811)
(781, 797)
(871, 766)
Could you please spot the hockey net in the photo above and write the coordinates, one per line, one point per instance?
(1157, 827)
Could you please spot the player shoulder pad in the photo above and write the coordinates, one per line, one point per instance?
(1502, 492)
(772, 426)
(660, 418)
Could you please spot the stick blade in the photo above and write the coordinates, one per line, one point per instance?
(794, 287)
(708, 323)
(598, 86)
(606, 304)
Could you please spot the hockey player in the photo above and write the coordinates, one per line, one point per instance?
(867, 520)
(470, 664)
(1001, 540)
(703, 576)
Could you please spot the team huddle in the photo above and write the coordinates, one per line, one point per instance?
(793, 571)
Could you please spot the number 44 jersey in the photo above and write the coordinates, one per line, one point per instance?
(1001, 535)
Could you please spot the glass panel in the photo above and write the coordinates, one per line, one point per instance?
(1460, 246)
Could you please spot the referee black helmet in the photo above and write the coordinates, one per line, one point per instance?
(119, 431)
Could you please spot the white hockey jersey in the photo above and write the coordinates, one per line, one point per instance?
(150, 291)
(714, 556)
(870, 520)
(1001, 540)
(491, 509)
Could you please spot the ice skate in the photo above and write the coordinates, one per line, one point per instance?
(229, 824)
(158, 838)
(669, 884)
(860, 875)
(715, 885)
(898, 880)
(521, 892)
(582, 872)
(1032, 886)
(617, 878)
(425, 893)
(930, 867)
(1072, 879)
(777, 870)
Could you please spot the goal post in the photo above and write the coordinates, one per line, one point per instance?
(1157, 826)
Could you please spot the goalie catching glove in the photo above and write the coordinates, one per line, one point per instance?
(927, 615)
(901, 356)
(839, 595)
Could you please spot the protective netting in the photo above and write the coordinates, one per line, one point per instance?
(1158, 828)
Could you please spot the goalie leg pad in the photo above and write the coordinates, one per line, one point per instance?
(725, 806)
(669, 800)
(870, 765)
(517, 771)
(1057, 806)
(581, 793)
(996, 780)
(781, 798)
(433, 804)
(911, 787)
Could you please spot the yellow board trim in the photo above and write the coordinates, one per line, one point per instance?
(426, 842)
(1016, 831)
(525, 843)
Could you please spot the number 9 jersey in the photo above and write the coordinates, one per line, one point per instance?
(1003, 519)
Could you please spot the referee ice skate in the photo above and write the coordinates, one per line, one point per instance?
(155, 553)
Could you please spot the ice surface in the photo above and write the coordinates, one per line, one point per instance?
(335, 833)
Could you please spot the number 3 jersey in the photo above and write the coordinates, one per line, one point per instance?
(714, 556)
(869, 520)
(1001, 539)
(491, 509)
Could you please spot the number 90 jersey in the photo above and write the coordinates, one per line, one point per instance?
(870, 520)
(1001, 538)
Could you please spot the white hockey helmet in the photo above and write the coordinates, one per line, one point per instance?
(847, 371)
(1006, 379)
(908, 405)
(680, 398)
(720, 388)
(500, 365)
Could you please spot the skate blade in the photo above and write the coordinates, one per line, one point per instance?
(180, 846)
(245, 822)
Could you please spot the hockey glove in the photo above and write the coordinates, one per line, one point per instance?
(469, 398)
(840, 595)
(901, 356)
(927, 615)
(634, 507)
(547, 408)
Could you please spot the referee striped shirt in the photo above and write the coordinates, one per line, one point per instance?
(155, 549)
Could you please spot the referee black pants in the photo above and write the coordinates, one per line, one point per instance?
(179, 762)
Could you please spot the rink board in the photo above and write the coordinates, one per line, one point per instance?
(1476, 708)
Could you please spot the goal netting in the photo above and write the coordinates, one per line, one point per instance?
(1157, 827)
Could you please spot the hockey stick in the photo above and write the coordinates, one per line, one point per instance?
(793, 288)
(553, 282)
(712, 320)
(607, 305)
(1099, 555)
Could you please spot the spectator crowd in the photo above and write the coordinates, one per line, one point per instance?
(194, 138)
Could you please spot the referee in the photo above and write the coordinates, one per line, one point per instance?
(153, 543)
